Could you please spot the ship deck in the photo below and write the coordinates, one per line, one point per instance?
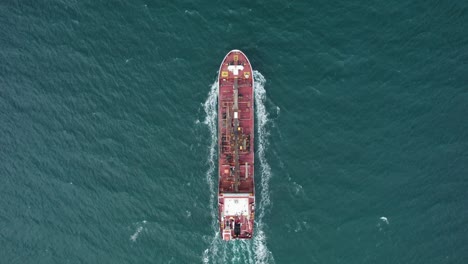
(236, 142)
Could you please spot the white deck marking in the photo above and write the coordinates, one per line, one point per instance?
(236, 206)
(235, 69)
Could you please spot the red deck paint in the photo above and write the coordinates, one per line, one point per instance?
(236, 194)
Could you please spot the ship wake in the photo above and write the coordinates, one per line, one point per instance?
(241, 251)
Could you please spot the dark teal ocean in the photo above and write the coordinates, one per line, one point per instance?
(108, 130)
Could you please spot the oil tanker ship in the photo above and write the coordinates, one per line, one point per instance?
(236, 190)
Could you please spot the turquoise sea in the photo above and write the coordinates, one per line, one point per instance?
(108, 130)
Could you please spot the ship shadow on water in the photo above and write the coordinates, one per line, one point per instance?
(239, 251)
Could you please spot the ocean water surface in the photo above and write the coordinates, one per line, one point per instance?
(108, 130)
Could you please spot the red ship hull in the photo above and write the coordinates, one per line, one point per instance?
(236, 193)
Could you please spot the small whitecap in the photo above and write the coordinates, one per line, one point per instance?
(316, 90)
(384, 219)
(297, 188)
(298, 227)
(138, 231)
(191, 12)
(135, 235)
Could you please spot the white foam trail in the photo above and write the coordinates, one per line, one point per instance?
(262, 143)
(262, 253)
(210, 120)
(246, 246)
(243, 251)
